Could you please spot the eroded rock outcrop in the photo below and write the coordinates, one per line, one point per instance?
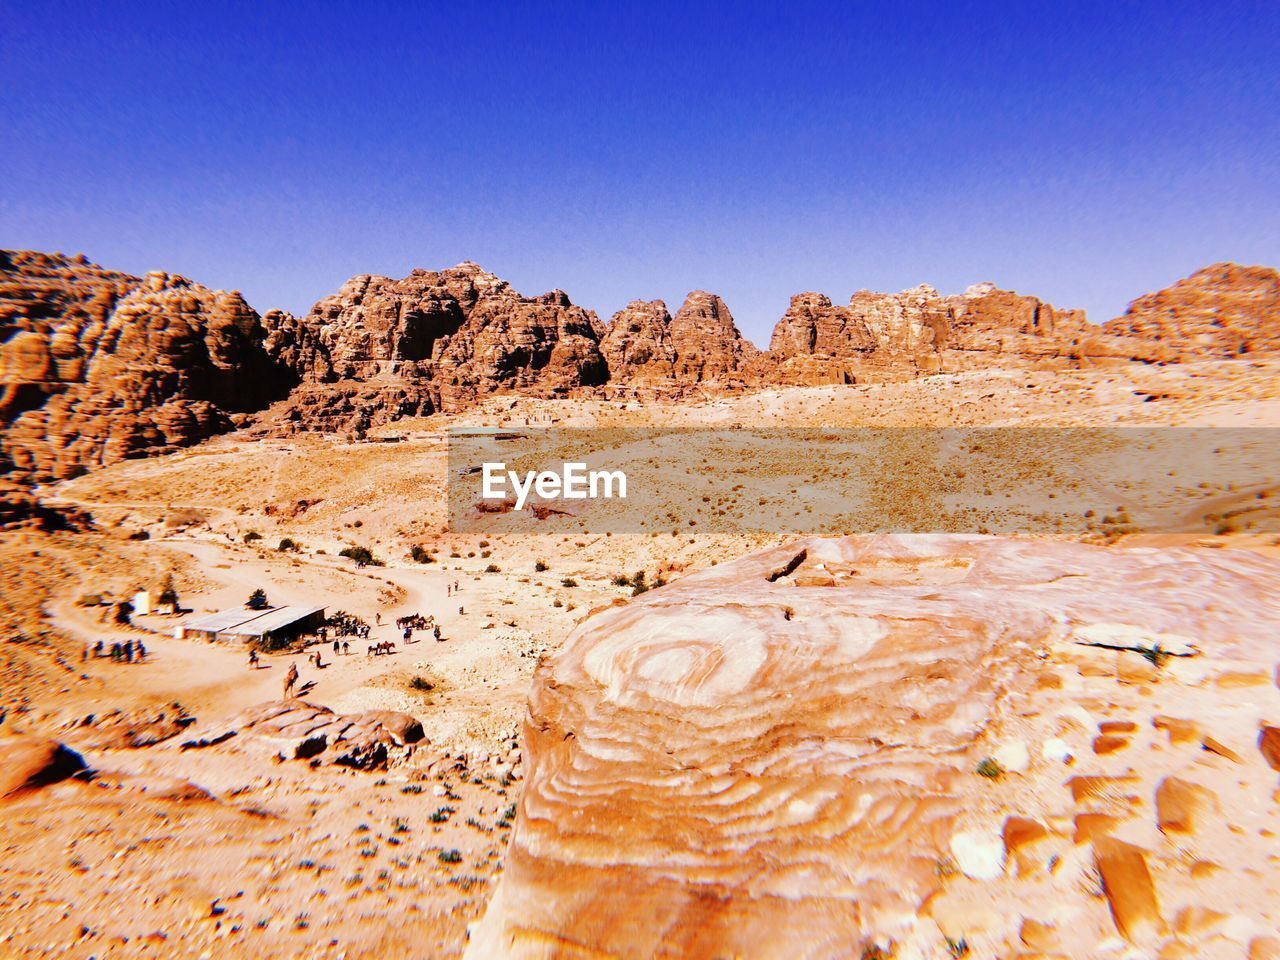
(701, 345)
(433, 341)
(772, 758)
(1223, 311)
(918, 332)
(100, 366)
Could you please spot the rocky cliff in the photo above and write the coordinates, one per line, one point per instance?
(100, 366)
(97, 365)
(434, 341)
(1221, 312)
(918, 332)
(700, 345)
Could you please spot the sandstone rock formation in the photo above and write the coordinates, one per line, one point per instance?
(739, 764)
(918, 332)
(126, 365)
(433, 341)
(1223, 311)
(644, 345)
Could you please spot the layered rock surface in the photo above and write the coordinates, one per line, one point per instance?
(775, 757)
(1223, 311)
(126, 365)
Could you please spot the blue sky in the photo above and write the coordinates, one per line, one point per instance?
(1083, 152)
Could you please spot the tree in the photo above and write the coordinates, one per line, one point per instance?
(258, 600)
(168, 593)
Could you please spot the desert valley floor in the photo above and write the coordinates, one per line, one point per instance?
(904, 746)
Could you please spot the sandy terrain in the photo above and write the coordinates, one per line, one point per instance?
(283, 859)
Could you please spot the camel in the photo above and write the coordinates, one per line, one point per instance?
(290, 679)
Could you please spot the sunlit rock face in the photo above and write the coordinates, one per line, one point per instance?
(771, 758)
(100, 366)
(380, 348)
(1222, 311)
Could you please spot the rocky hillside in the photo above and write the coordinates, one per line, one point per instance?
(1220, 312)
(100, 366)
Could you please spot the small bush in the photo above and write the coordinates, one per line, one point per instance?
(251, 536)
(258, 600)
(957, 948)
(139, 535)
(568, 582)
(540, 567)
(360, 555)
(441, 815)
(450, 856)
(493, 568)
(288, 545)
(990, 768)
(419, 555)
(421, 683)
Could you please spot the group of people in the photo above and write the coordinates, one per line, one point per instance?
(120, 652)
(343, 624)
(416, 621)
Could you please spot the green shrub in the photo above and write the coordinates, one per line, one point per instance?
(450, 856)
(258, 600)
(493, 568)
(419, 555)
(568, 582)
(540, 567)
(251, 536)
(360, 555)
(990, 768)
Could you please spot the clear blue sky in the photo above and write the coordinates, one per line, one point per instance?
(1085, 152)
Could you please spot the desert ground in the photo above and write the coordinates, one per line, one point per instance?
(240, 848)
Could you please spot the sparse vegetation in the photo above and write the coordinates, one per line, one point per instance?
(288, 545)
(251, 536)
(168, 593)
(421, 684)
(449, 856)
(419, 554)
(957, 948)
(360, 555)
(540, 566)
(1156, 655)
(568, 582)
(990, 768)
(441, 815)
(258, 600)
(493, 568)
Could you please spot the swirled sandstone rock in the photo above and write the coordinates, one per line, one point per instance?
(771, 758)
(128, 365)
(1222, 311)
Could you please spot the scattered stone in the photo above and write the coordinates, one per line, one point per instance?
(1129, 890)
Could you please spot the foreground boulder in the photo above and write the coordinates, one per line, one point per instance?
(772, 758)
(28, 763)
